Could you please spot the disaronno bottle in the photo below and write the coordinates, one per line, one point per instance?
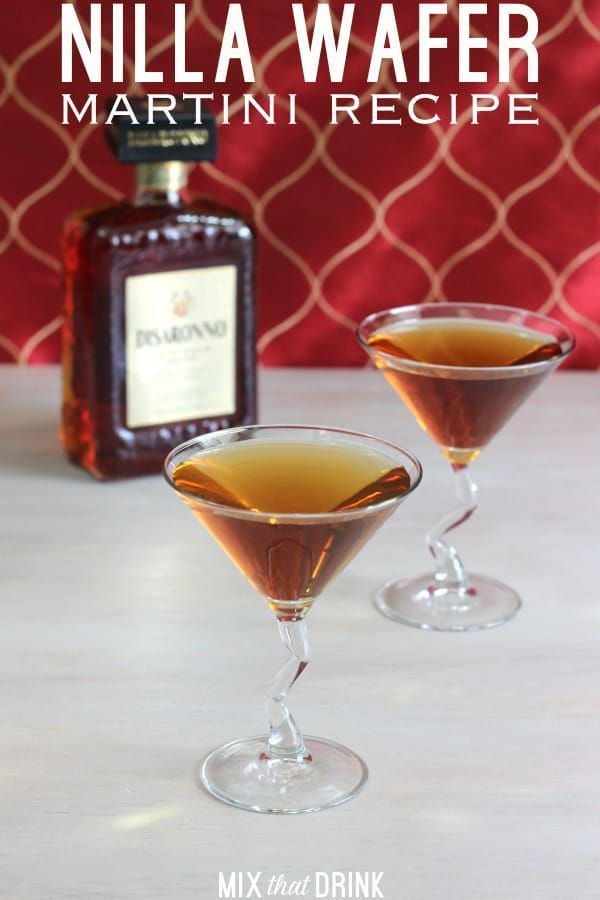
(158, 338)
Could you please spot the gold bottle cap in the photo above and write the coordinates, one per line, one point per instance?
(162, 176)
(149, 135)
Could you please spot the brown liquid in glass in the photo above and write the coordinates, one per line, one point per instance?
(290, 562)
(462, 411)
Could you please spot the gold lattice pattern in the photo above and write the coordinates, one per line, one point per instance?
(414, 215)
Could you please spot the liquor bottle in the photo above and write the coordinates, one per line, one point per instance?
(159, 320)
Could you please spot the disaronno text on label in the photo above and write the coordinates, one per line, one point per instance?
(180, 334)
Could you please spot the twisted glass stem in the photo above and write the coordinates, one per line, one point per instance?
(285, 740)
(450, 572)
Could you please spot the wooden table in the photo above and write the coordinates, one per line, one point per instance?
(131, 646)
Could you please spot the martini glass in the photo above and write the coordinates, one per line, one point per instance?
(462, 369)
(291, 506)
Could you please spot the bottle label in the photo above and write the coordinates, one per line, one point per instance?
(180, 345)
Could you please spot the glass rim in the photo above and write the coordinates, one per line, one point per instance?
(291, 518)
(567, 342)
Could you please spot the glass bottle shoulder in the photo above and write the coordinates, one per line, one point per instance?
(132, 219)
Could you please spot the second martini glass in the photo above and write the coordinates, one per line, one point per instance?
(291, 506)
(462, 369)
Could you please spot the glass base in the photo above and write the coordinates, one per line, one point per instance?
(422, 603)
(239, 773)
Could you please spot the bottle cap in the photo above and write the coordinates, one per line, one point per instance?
(186, 141)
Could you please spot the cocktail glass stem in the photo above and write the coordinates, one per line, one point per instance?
(450, 572)
(285, 740)
(452, 600)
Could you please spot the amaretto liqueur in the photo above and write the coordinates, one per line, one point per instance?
(159, 326)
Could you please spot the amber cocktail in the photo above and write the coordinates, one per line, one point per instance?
(291, 506)
(462, 369)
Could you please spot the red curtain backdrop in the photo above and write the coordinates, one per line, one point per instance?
(351, 218)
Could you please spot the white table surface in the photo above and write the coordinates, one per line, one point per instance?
(130, 646)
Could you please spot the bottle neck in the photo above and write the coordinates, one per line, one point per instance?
(161, 183)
